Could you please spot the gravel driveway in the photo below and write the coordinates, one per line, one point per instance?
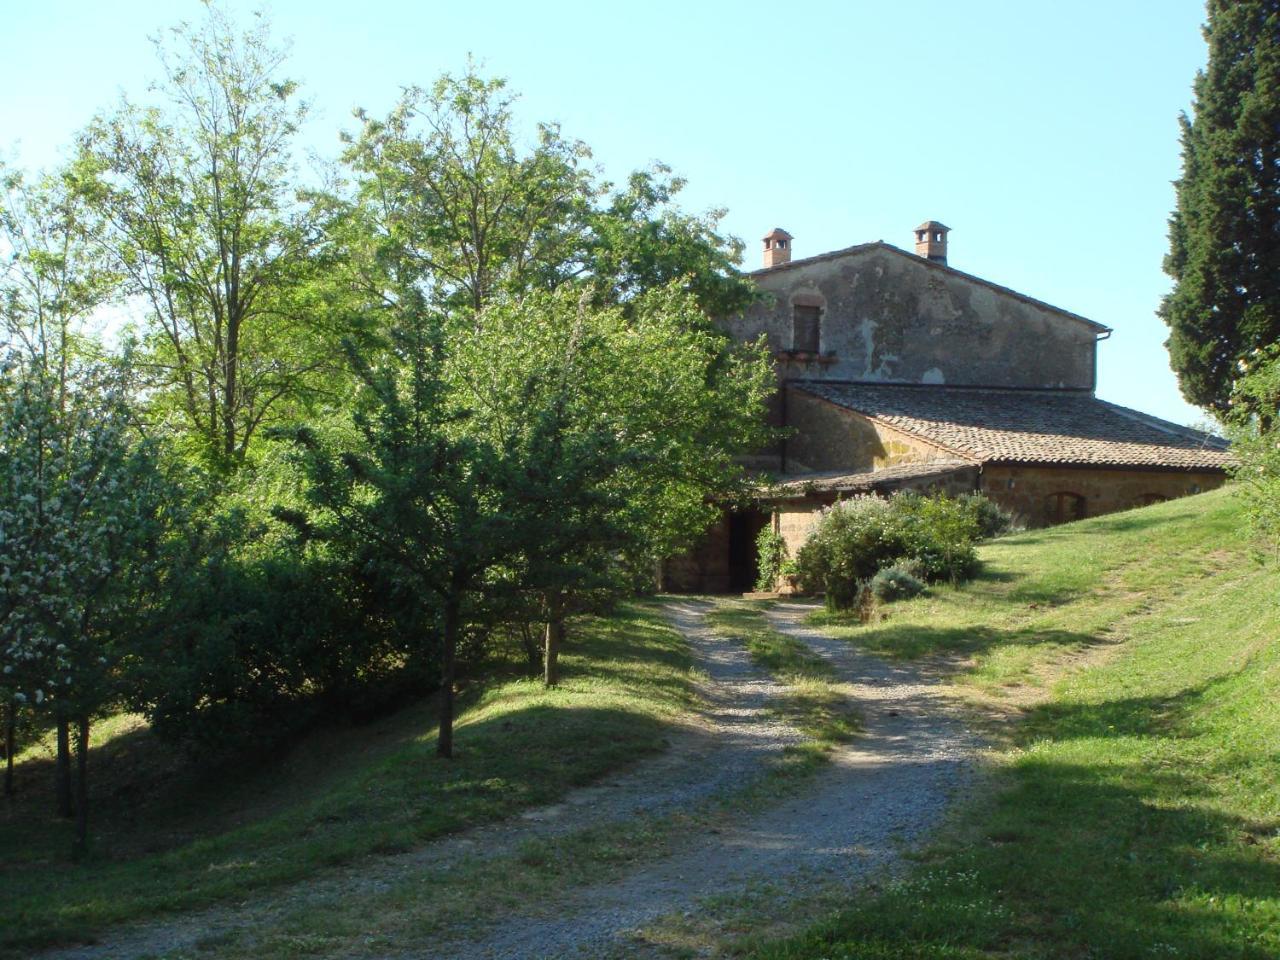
(887, 788)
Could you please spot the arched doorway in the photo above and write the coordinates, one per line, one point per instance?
(1063, 507)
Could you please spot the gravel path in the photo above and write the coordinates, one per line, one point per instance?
(725, 747)
(886, 789)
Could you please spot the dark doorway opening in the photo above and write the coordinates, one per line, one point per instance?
(744, 567)
(1064, 507)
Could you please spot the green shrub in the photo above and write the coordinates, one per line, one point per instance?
(852, 540)
(771, 551)
(856, 539)
(894, 583)
(941, 533)
(991, 518)
(1254, 424)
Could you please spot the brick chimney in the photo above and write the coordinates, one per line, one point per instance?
(777, 248)
(931, 241)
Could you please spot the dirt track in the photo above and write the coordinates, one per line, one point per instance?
(885, 790)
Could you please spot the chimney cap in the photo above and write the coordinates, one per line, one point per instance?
(934, 225)
(777, 232)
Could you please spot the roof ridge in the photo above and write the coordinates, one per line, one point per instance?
(972, 387)
(1168, 426)
(1048, 426)
(934, 265)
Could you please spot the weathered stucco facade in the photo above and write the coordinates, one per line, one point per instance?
(828, 437)
(897, 372)
(885, 315)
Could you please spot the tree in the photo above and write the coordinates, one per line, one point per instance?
(54, 275)
(479, 218)
(1224, 236)
(80, 504)
(415, 493)
(448, 210)
(626, 423)
(213, 234)
(476, 217)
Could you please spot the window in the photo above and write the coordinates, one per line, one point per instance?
(806, 323)
(1062, 507)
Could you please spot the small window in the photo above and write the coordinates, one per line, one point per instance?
(806, 323)
(1064, 507)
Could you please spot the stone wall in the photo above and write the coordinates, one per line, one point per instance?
(705, 568)
(1030, 492)
(888, 315)
(829, 437)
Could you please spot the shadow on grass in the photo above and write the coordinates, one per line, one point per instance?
(1077, 860)
(1151, 716)
(378, 789)
(912, 640)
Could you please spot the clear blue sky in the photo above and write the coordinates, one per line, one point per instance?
(1044, 134)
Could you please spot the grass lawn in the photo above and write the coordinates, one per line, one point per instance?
(170, 837)
(1136, 806)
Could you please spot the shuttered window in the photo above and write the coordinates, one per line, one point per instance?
(805, 329)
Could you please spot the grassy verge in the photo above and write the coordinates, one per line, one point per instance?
(1137, 812)
(814, 703)
(439, 902)
(344, 795)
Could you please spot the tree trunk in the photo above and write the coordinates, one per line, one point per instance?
(532, 648)
(10, 744)
(554, 638)
(230, 396)
(81, 846)
(444, 742)
(62, 771)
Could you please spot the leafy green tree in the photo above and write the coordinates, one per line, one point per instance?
(412, 492)
(641, 240)
(1224, 236)
(208, 225)
(626, 423)
(54, 272)
(443, 176)
(448, 184)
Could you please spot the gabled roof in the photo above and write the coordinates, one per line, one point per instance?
(1070, 428)
(880, 245)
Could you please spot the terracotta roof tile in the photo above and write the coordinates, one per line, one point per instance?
(1038, 426)
(863, 481)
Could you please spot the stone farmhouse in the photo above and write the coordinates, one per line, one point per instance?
(898, 371)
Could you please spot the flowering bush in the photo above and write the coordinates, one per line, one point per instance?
(857, 538)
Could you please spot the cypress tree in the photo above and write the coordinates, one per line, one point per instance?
(1224, 236)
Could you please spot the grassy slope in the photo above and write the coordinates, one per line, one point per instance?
(1138, 809)
(346, 794)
